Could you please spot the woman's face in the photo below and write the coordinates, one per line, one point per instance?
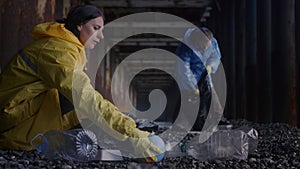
(91, 33)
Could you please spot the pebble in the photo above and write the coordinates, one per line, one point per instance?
(66, 167)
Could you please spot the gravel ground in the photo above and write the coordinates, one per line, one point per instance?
(278, 147)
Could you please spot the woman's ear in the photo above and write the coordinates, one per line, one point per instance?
(79, 27)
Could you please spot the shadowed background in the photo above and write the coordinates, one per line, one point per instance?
(259, 42)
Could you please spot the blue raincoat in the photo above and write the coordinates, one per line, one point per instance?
(195, 61)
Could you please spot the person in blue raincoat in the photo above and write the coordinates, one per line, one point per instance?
(201, 56)
(200, 53)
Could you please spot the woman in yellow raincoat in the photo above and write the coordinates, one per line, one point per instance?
(37, 86)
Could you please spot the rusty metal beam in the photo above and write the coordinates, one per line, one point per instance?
(297, 19)
(240, 59)
(152, 3)
(227, 43)
(283, 57)
(251, 62)
(18, 18)
(264, 60)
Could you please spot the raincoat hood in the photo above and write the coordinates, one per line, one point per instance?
(56, 30)
(187, 40)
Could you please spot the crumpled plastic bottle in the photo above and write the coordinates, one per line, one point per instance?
(76, 145)
(222, 144)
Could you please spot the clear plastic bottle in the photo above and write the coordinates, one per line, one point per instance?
(222, 144)
(76, 145)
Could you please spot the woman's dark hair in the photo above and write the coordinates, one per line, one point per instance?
(79, 15)
(207, 32)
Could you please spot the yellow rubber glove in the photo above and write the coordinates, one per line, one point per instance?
(208, 69)
(143, 147)
(197, 91)
(110, 119)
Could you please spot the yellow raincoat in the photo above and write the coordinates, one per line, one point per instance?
(36, 90)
